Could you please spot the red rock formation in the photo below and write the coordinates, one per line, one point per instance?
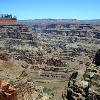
(7, 92)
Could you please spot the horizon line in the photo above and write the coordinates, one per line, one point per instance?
(59, 19)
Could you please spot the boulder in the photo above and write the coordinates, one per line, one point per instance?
(7, 92)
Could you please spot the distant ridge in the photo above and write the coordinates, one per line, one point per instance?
(93, 21)
(46, 21)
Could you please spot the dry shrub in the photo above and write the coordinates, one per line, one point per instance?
(7, 64)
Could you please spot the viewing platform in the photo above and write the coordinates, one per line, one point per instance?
(7, 19)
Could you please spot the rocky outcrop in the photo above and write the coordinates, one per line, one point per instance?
(55, 62)
(97, 58)
(16, 32)
(84, 89)
(7, 92)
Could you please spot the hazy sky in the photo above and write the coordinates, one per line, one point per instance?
(67, 9)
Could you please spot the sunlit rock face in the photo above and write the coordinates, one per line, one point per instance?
(7, 92)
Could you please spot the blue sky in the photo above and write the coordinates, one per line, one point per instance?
(37, 9)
